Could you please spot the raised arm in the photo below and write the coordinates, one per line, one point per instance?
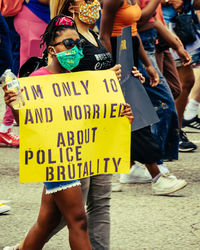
(110, 8)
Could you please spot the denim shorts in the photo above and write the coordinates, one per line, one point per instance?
(53, 187)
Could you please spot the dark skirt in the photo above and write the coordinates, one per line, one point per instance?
(144, 148)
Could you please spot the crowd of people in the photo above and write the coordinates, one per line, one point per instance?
(163, 63)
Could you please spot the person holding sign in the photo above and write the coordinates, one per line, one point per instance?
(96, 189)
(116, 16)
(60, 198)
(66, 198)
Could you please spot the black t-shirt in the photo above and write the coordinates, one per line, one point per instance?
(95, 57)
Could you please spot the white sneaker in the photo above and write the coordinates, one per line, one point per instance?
(163, 169)
(4, 208)
(16, 247)
(138, 174)
(167, 184)
(116, 187)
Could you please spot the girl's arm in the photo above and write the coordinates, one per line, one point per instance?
(9, 97)
(110, 8)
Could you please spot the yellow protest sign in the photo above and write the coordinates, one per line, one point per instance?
(71, 127)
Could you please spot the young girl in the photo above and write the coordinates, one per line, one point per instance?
(66, 198)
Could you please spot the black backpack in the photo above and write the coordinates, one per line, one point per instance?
(33, 64)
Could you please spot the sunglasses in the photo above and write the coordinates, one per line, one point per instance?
(70, 43)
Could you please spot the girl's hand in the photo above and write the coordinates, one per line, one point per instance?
(9, 96)
(117, 70)
(137, 73)
(127, 112)
(153, 75)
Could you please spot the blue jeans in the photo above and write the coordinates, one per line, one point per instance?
(15, 45)
(5, 46)
(166, 131)
(9, 46)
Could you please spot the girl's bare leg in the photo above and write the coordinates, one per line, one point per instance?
(48, 218)
(70, 204)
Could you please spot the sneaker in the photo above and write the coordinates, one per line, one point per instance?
(192, 125)
(138, 174)
(116, 187)
(4, 208)
(16, 247)
(184, 144)
(163, 169)
(167, 184)
(9, 139)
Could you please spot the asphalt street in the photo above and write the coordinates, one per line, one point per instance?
(139, 220)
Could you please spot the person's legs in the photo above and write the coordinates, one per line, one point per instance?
(8, 119)
(69, 202)
(15, 45)
(60, 222)
(186, 75)
(191, 119)
(153, 169)
(96, 191)
(98, 210)
(145, 150)
(85, 185)
(5, 46)
(6, 61)
(6, 135)
(48, 218)
(187, 78)
(166, 130)
(167, 67)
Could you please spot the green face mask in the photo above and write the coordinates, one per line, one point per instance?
(70, 58)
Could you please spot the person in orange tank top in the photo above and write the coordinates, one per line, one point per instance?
(112, 11)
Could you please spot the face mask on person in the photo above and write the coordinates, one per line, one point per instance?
(89, 11)
(70, 58)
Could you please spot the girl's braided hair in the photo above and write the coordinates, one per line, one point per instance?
(54, 29)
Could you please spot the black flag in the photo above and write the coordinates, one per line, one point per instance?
(133, 90)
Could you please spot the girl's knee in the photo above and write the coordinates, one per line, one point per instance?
(78, 220)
